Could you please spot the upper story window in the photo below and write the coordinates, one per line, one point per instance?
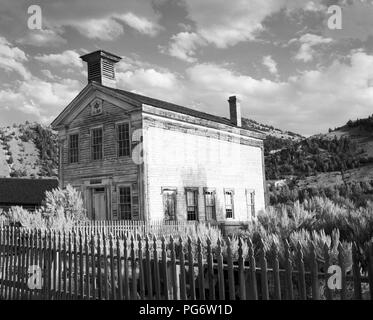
(73, 148)
(97, 143)
(123, 138)
(96, 107)
(192, 203)
(229, 209)
(125, 205)
(250, 200)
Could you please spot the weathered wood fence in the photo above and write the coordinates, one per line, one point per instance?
(157, 228)
(79, 265)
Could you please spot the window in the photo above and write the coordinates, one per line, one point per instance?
(125, 208)
(169, 203)
(73, 148)
(192, 203)
(250, 197)
(228, 195)
(210, 208)
(123, 137)
(97, 144)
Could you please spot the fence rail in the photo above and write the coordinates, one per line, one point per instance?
(82, 265)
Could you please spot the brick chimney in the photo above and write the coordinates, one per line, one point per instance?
(235, 111)
(101, 67)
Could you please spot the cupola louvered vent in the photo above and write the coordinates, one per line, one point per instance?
(101, 67)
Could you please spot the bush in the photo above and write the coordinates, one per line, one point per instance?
(62, 209)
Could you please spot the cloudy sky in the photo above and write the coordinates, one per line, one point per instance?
(279, 56)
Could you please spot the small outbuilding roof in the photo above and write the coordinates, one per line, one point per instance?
(21, 191)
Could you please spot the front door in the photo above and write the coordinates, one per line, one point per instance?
(98, 204)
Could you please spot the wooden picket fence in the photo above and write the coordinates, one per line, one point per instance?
(55, 265)
(155, 227)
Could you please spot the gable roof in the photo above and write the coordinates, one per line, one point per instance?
(137, 100)
(19, 191)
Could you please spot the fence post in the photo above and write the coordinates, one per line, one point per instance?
(156, 269)
(210, 270)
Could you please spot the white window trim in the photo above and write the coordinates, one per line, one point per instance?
(249, 191)
(225, 204)
(117, 188)
(212, 190)
(116, 138)
(90, 142)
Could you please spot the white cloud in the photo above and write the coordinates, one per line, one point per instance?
(270, 64)
(141, 24)
(308, 103)
(183, 46)
(308, 42)
(225, 23)
(42, 38)
(37, 99)
(12, 59)
(68, 58)
(102, 29)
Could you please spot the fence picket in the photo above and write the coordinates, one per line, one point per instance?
(164, 268)
(263, 271)
(232, 293)
(356, 272)
(183, 295)
(328, 294)
(253, 284)
(201, 269)
(341, 263)
(301, 273)
(314, 273)
(210, 270)
(276, 273)
(241, 271)
(220, 271)
(149, 284)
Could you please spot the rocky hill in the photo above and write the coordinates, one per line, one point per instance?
(28, 150)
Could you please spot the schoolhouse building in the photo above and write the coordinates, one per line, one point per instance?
(138, 158)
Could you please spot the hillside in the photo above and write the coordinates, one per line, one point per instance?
(28, 150)
(335, 163)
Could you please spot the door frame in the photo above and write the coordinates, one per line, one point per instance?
(107, 197)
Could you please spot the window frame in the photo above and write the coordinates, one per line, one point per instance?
(69, 147)
(102, 143)
(195, 191)
(174, 191)
(117, 138)
(231, 191)
(118, 187)
(250, 203)
(213, 192)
